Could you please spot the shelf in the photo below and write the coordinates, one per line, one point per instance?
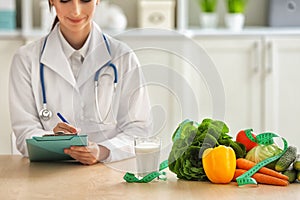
(143, 32)
(10, 34)
(247, 31)
(193, 32)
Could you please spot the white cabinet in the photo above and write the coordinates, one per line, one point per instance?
(282, 94)
(237, 60)
(261, 78)
(7, 49)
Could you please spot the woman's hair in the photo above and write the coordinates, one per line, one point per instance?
(56, 20)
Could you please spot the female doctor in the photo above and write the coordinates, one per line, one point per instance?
(93, 80)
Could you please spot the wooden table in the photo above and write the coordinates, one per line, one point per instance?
(20, 179)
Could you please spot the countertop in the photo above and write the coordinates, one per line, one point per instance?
(21, 179)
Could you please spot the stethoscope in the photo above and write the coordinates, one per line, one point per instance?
(45, 114)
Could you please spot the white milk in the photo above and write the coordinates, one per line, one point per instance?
(147, 158)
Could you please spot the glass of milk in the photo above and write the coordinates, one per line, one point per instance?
(147, 151)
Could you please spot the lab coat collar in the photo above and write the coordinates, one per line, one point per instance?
(54, 57)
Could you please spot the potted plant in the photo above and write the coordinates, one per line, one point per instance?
(235, 18)
(208, 17)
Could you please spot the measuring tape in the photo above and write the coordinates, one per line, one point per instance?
(264, 139)
(131, 178)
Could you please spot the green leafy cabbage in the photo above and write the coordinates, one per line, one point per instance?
(262, 152)
(190, 140)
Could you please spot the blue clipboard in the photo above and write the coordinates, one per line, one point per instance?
(51, 148)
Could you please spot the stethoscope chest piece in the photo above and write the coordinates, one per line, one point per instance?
(45, 114)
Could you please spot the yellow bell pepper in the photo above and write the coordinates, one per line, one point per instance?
(219, 164)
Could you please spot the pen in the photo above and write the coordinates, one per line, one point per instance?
(62, 118)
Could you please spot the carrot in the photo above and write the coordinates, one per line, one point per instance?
(243, 163)
(262, 178)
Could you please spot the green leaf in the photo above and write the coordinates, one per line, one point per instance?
(236, 6)
(208, 5)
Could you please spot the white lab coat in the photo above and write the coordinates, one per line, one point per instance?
(128, 106)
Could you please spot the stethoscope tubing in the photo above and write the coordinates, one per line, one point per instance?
(96, 79)
(42, 74)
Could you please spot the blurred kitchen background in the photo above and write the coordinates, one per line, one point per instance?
(257, 12)
(255, 68)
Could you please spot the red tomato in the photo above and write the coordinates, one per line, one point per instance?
(241, 137)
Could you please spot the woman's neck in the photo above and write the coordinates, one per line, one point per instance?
(76, 39)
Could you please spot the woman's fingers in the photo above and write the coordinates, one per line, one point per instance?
(64, 127)
(86, 155)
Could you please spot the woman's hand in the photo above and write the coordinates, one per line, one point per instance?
(88, 155)
(66, 128)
